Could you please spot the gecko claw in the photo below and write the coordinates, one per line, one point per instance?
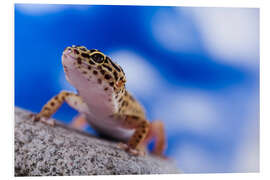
(49, 122)
(34, 117)
(37, 117)
(122, 146)
(134, 152)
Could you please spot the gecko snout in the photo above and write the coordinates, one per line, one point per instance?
(68, 51)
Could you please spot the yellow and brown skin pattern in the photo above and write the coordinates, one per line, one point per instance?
(94, 74)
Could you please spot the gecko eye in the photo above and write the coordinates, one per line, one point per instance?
(97, 57)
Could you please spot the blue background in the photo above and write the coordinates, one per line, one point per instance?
(204, 90)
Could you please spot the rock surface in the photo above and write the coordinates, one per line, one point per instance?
(41, 150)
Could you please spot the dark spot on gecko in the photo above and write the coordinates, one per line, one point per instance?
(102, 71)
(115, 75)
(135, 117)
(83, 49)
(89, 67)
(93, 50)
(107, 76)
(106, 88)
(56, 97)
(79, 60)
(85, 55)
(46, 108)
(111, 84)
(143, 131)
(109, 68)
(76, 51)
(99, 81)
(52, 103)
(115, 66)
(140, 136)
(106, 60)
(65, 69)
(91, 62)
(95, 72)
(84, 72)
(120, 99)
(109, 100)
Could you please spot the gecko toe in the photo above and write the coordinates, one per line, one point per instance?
(47, 121)
(136, 152)
(34, 117)
(131, 151)
(122, 146)
(37, 117)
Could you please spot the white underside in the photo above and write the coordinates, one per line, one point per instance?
(97, 100)
(111, 128)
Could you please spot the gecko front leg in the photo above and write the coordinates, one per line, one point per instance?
(55, 103)
(141, 127)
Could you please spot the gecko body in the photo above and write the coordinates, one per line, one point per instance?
(103, 101)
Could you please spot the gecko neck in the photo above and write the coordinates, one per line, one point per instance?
(101, 103)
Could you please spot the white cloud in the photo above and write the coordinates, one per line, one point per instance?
(188, 110)
(193, 159)
(172, 31)
(38, 9)
(230, 34)
(247, 154)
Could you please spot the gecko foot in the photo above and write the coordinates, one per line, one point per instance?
(37, 117)
(161, 156)
(134, 152)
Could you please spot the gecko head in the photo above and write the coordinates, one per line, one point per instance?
(94, 66)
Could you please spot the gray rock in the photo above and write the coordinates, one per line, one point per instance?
(41, 150)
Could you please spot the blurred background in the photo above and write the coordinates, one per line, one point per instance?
(196, 69)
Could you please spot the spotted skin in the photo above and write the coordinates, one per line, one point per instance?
(103, 101)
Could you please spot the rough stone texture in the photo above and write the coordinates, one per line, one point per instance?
(41, 150)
